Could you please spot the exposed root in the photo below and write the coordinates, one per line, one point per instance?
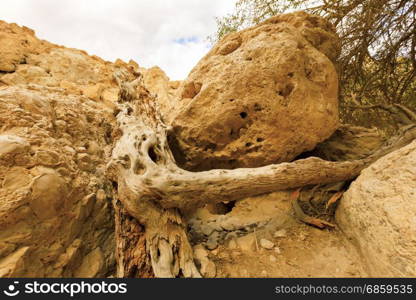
(301, 216)
(333, 200)
(131, 256)
(170, 251)
(155, 191)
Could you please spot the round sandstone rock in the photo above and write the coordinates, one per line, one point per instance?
(260, 96)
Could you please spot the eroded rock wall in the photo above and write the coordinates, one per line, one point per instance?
(56, 116)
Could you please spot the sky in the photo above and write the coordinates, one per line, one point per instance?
(171, 34)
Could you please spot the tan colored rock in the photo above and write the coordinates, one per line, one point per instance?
(48, 203)
(266, 244)
(16, 43)
(27, 73)
(11, 145)
(55, 217)
(247, 242)
(280, 233)
(94, 92)
(31, 61)
(165, 91)
(14, 264)
(263, 95)
(207, 267)
(378, 213)
(55, 212)
(48, 194)
(92, 265)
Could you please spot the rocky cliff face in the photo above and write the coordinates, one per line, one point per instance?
(56, 114)
(260, 96)
(54, 201)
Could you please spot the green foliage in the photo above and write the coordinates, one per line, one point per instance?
(378, 59)
(250, 12)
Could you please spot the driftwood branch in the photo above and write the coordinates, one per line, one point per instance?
(154, 190)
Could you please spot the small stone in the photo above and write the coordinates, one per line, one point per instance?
(60, 123)
(302, 236)
(69, 149)
(93, 148)
(232, 244)
(246, 242)
(266, 244)
(84, 161)
(215, 251)
(280, 233)
(277, 250)
(92, 264)
(210, 270)
(272, 258)
(211, 244)
(200, 252)
(264, 273)
(207, 267)
(81, 149)
(227, 226)
(207, 230)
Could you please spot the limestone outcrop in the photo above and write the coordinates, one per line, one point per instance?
(55, 204)
(164, 90)
(378, 214)
(56, 114)
(97, 161)
(16, 43)
(260, 96)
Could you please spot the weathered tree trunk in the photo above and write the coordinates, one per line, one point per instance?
(153, 190)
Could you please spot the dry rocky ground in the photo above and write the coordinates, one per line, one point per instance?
(281, 246)
(264, 95)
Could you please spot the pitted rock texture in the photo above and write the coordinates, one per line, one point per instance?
(16, 43)
(163, 89)
(260, 96)
(56, 118)
(55, 206)
(379, 214)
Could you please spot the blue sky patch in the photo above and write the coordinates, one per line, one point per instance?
(186, 40)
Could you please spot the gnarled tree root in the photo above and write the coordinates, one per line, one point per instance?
(300, 215)
(170, 251)
(154, 190)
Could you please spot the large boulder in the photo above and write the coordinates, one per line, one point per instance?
(378, 213)
(263, 95)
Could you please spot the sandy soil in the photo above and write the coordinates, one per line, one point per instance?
(296, 249)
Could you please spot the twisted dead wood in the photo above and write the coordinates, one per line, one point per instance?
(155, 191)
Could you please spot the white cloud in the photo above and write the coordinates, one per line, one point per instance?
(143, 30)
